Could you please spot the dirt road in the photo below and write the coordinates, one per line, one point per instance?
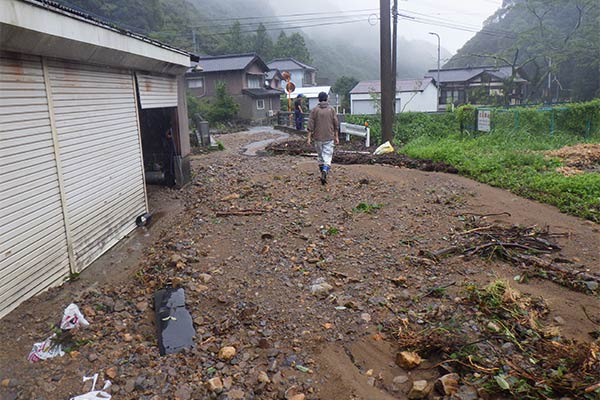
(256, 283)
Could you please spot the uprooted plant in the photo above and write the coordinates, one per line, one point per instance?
(527, 247)
(506, 350)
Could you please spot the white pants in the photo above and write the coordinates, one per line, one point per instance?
(324, 152)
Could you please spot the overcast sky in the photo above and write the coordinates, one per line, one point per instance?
(469, 14)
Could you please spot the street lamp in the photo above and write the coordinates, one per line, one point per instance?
(438, 69)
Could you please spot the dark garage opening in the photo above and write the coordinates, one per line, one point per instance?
(162, 154)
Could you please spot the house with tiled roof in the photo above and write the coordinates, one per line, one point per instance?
(302, 74)
(246, 78)
(412, 95)
(475, 85)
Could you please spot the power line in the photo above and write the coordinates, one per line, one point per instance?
(283, 22)
(296, 15)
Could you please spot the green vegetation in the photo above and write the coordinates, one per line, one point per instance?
(367, 208)
(222, 108)
(342, 86)
(512, 155)
(515, 161)
(542, 37)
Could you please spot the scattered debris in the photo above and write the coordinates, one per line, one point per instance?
(53, 346)
(174, 324)
(526, 247)
(94, 394)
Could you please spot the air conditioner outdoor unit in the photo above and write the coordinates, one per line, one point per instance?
(271, 113)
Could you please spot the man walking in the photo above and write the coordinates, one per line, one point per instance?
(298, 112)
(323, 128)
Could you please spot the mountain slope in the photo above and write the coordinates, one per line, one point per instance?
(556, 38)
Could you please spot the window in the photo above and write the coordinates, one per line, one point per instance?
(260, 104)
(197, 83)
(254, 81)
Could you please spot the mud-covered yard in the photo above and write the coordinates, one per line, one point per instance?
(319, 288)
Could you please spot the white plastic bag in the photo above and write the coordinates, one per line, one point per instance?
(384, 148)
(45, 350)
(94, 394)
(73, 318)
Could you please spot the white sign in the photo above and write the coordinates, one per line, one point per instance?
(484, 121)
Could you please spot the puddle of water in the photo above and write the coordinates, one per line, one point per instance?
(175, 329)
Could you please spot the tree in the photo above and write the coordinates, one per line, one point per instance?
(224, 107)
(262, 43)
(292, 46)
(342, 86)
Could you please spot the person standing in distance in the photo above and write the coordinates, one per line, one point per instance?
(323, 129)
(298, 112)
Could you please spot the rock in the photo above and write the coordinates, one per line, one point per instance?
(408, 359)
(5, 383)
(419, 390)
(111, 372)
(227, 382)
(119, 305)
(293, 393)
(263, 377)
(215, 385)
(494, 327)
(226, 353)
(320, 288)
(559, 320)
(592, 285)
(92, 357)
(405, 295)
(466, 393)
(365, 317)
(448, 384)
(127, 337)
(142, 306)
(236, 394)
(183, 392)
(205, 278)
(371, 381)
(508, 348)
(400, 379)
(130, 385)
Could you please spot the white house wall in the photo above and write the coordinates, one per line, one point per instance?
(426, 101)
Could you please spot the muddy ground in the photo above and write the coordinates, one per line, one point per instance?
(255, 282)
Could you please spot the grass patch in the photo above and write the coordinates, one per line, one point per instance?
(515, 161)
(367, 208)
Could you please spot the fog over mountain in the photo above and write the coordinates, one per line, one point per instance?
(341, 35)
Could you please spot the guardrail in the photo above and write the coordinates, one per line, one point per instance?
(356, 130)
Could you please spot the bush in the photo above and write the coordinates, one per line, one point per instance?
(224, 107)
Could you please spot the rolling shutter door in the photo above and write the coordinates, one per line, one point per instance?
(157, 91)
(33, 243)
(96, 120)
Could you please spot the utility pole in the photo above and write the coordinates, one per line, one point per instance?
(387, 92)
(394, 53)
(438, 70)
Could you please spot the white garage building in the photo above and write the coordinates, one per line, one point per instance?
(412, 95)
(75, 94)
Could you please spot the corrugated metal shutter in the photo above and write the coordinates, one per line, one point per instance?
(33, 244)
(157, 91)
(101, 155)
